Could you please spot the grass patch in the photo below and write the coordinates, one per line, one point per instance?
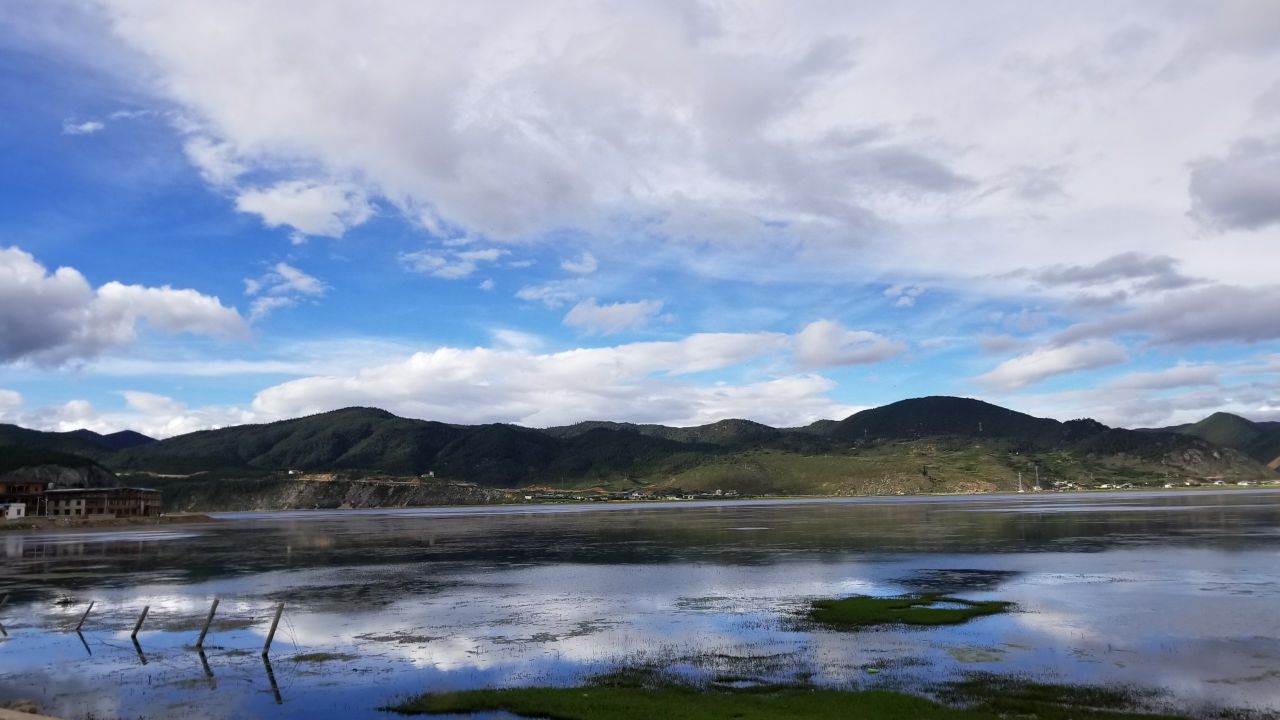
(320, 657)
(1011, 697)
(677, 703)
(980, 699)
(921, 609)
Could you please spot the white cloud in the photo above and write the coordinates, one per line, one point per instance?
(584, 265)
(1182, 393)
(334, 355)
(991, 344)
(642, 382)
(89, 127)
(596, 319)
(511, 126)
(215, 160)
(517, 340)
(836, 125)
(450, 264)
(485, 255)
(280, 288)
(553, 294)
(1217, 313)
(1043, 363)
(148, 413)
(904, 295)
(311, 208)
(826, 343)
(1179, 376)
(52, 318)
(264, 306)
(487, 284)
(1240, 190)
(284, 279)
(10, 403)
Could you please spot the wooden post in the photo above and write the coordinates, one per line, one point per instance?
(271, 676)
(138, 625)
(271, 634)
(138, 649)
(85, 615)
(5, 600)
(205, 630)
(208, 671)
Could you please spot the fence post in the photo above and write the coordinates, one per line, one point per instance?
(271, 635)
(205, 630)
(271, 676)
(138, 625)
(85, 615)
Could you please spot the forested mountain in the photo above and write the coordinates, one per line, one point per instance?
(922, 444)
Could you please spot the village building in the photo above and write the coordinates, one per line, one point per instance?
(27, 493)
(102, 502)
(13, 511)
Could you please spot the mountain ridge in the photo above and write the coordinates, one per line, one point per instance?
(930, 444)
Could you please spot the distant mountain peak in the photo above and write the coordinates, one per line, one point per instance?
(1261, 441)
(121, 440)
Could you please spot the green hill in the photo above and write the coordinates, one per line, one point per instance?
(946, 416)
(84, 443)
(1226, 430)
(17, 457)
(72, 443)
(1258, 440)
(725, 433)
(353, 438)
(115, 441)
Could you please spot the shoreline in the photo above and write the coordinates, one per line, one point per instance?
(38, 524)
(218, 516)
(587, 506)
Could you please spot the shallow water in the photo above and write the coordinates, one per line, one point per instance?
(1173, 591)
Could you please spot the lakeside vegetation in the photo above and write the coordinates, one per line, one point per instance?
(980, 697)
(921, 609)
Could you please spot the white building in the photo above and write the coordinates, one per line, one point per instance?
(13, 511)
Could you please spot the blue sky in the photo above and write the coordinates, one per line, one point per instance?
(664, 212)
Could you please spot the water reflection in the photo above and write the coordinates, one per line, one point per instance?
(1174, 591)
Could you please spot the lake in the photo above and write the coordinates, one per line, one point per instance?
(1173, 591)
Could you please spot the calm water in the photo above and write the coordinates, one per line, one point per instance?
(1178, 592)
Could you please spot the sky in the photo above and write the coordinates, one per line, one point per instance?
(669, 211)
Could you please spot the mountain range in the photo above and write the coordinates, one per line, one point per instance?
(932, 444)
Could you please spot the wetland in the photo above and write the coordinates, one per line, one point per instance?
(1169, 596)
